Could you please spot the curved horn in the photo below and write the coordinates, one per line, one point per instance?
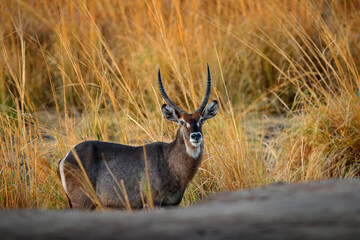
(165, 96)
(207, 92)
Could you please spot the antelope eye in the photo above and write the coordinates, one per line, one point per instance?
(202, 121)
(182, 122)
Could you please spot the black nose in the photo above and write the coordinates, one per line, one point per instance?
(195, 136)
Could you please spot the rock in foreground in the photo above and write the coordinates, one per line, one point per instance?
(319, 210)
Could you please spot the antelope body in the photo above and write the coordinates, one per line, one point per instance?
(170, 166)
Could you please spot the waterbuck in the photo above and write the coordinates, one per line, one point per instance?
(117, 173)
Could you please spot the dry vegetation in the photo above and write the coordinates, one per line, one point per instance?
(80, 70)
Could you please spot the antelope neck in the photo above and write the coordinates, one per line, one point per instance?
(185, 159)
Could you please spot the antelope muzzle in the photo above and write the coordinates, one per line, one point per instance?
(196, 138)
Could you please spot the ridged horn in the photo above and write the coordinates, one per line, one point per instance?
(207, 92)
(165, 96)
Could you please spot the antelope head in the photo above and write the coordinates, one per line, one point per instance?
(190, 123)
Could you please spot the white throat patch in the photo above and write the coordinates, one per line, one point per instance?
(194, 152)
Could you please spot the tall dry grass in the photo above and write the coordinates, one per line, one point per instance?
(79, 70)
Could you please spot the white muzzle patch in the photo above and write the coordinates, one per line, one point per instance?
(196, 143)
(196, 139)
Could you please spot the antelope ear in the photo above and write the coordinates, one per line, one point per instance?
(211, 110)
(170, 113)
